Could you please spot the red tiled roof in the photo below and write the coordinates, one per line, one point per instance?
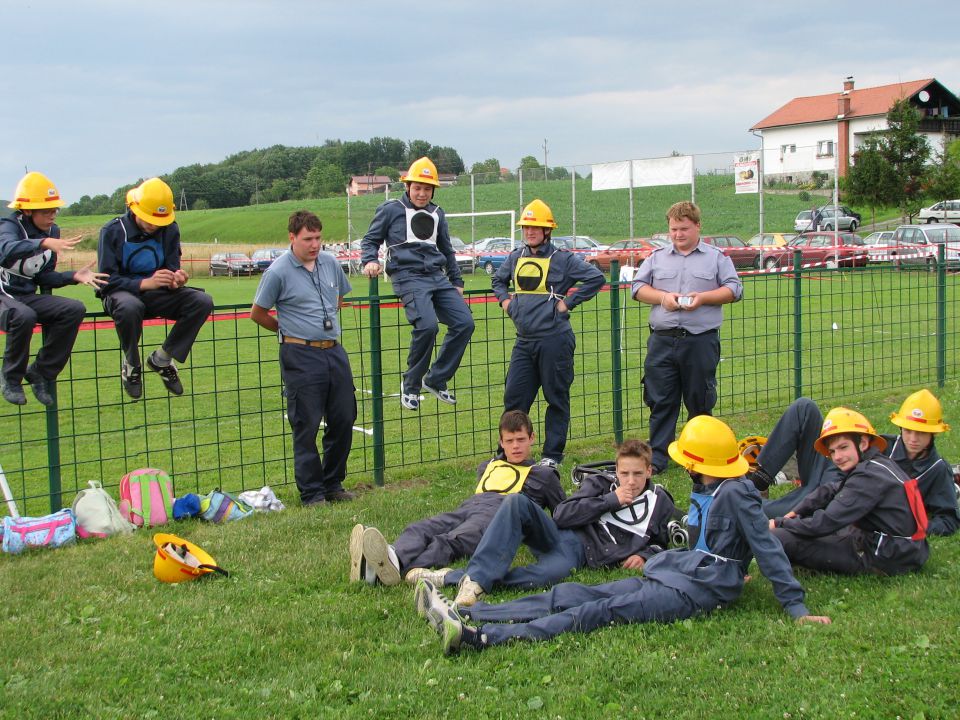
(820, 108)
(370, 179)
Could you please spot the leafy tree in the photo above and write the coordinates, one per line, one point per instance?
(943, 176)
(907, 151)
(447, 160)
(324, 180)
(485, 172)
(390, 172)
(417, 149)
(871, 180)
(387, 151)
(529, 162)
(200, 204)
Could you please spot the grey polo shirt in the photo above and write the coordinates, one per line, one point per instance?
(704, 268)
(303, 298)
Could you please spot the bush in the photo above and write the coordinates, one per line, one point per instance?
(804, 196)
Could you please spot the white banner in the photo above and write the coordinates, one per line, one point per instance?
(646, 173)
(746, 172)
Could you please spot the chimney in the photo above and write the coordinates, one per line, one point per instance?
(843, 106)
(848, 84)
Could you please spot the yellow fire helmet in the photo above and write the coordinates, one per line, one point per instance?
(750, 448)
(152, 202)
(707, 445)
(178, 560)
(920, 411)
(842, 421)
(35, 191)
(423, 171)
(537, 214)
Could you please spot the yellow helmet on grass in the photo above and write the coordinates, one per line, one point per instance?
(35, 191)
(178, 560)
(707, 445)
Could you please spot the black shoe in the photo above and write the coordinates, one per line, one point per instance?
(12, 393)
(40, 386)
(313, 501)
(340, 496)
(168, 373)
(132, 378)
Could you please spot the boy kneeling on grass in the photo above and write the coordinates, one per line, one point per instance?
(871, 520)
(437, 541)
(727, 529)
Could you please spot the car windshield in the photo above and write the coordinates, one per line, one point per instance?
(804, 215)
(941, 235)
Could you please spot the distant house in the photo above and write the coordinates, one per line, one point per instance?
(822, 132)
(367, 184)
(447, 179)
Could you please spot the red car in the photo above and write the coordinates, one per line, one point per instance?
(835, 249)
(626, 252)
(743, 256)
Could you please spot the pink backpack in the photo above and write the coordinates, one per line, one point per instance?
(146, 497)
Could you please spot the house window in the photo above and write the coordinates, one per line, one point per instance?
(825, 148)
(784, 149)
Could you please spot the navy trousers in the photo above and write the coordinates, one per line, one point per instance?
(572, 607)
(543, 363)
(521, 521)
(678, 369)
(60, 317)
(440, 540)
(427, 301)
(319, 386)
(188, 306)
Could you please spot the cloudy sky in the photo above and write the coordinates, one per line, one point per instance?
(99, 93)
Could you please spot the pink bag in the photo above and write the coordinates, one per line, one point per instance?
(146, 497)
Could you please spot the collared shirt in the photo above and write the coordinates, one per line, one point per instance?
(704, 268)
(304, 299)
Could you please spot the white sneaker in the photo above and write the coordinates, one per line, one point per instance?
(356, 553)
(435, 577)
(469, 592)
(411, 401)
(442, 395)
(376, 550)
(548, 462)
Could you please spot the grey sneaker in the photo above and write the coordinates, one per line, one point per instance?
(40, 386)
(12, 393)
(132, 378)
(548, 462)
(376, 550)
(357, 563)
(444, 395)
(451, 635)
(168, 373)
(469, 592)
(435, 577)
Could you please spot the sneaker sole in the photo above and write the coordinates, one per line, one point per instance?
(356, 553)
(375, 551)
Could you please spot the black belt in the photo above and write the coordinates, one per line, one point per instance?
(677, 332)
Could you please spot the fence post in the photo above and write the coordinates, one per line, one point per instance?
(376, 371)
(615, 350)
(52, 417)
(941, 314)
(797, 325)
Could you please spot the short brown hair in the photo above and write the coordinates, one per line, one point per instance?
(303, 219)
(684, 209)
(636, 449)
(515, 421)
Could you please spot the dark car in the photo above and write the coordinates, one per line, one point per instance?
(743, 255)
(834, 249)
(494, 255)
(231, 264)
(262, 259)
(626, 252)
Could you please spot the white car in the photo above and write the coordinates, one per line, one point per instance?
(878, 245)
(945, 211)
(919, 244)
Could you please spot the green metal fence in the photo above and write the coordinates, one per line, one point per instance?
(833, 334)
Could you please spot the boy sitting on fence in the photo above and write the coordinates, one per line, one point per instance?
(438, 541)
(728, 529)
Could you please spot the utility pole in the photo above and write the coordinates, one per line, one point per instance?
(545, 166)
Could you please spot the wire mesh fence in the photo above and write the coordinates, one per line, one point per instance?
(834, 334)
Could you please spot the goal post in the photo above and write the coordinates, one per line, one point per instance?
(473, 226)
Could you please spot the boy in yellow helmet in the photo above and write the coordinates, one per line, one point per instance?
(29, 244)
(423, 268)
(729, 529)
(141, 253)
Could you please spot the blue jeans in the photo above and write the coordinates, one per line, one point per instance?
(521, 520)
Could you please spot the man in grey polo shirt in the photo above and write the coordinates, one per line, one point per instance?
(686, 283)
(307, 287)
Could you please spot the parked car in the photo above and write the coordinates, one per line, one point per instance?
(231, 264)
(945, 211)
(480, 246)
(836, 249)
(878, 245)
(743, 255)
(580, 243)
(349, 257)
(262, 259)
(494, 255)
(626, 252)
(842, 218)
(465, 260)
(919, 244)
(770, 240)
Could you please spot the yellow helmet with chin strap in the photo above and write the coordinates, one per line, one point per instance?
(35, 191)
(844, 421)
(921, 411)
(152, 202)
(177, 560)
(423, 171)
(537, 214)
(707, 445)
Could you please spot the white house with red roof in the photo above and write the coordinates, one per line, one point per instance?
(822, 132)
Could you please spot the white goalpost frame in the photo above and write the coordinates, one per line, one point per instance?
(511, 213)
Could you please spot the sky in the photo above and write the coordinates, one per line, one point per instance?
(100, 93)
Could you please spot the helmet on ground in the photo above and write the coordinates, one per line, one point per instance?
(707, 445)
(537, 214)
(178, 560)
(35, 191)
(750, 448)
(844, 421)
(423, 171)
(152, 202)
(920, 411)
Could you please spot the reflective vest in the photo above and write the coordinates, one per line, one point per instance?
(503, 477)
